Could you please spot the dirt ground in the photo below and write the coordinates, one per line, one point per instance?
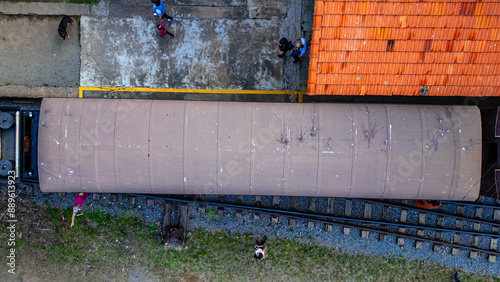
(33, 54)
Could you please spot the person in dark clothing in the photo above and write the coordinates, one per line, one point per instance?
(260, 250)
(284, 46)
(455, 277)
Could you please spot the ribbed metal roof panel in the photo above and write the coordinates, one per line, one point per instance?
(370, 47)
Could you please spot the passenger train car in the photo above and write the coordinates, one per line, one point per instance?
(286, 149)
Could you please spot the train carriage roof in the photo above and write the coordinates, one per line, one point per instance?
(323, 150)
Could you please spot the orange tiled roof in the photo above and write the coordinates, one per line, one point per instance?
(405, 48)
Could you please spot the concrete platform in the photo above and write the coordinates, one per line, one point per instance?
(227, 45)
(220, 44)
(13, 91)
(33, 54)
(205, 54)
(42, 8)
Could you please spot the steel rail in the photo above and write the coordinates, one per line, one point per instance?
(494, 224)
(299, 215)
(471, 204)
(315, 218)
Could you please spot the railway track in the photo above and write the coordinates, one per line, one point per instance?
(442, 227)
(468, 226)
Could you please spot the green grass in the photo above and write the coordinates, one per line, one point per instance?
(94, 234)
(93, 2)
(105, 247)
(211, 214)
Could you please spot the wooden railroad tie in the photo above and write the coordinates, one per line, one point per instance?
(276, 205)
(496, 218)
(493, 247)
(202, 208)
(312, 208)
(276, 202)
(347, 213)
(258, 201)
(167, 214)
(385, 217)
(239, 199)
(151, 202)
(477, 227)
(131, 200)
(293, 203)
(420, 232)
(365, 234)
(402, 230)
(459, 225)
(329, 210)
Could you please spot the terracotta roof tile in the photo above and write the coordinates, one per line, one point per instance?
(429, 8)
(447, 47)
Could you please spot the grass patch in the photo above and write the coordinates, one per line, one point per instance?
(211, 214)
(92, 2)
(106, 247)
(95, 234)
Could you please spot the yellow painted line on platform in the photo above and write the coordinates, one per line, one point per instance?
(201, 91)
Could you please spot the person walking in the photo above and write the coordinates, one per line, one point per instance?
(260, 250)
(299, 50)
(78, 204)
(164, 31)
(160, 10)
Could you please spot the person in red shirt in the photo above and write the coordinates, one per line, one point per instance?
(164, 31)
(78, 204)
(428, 205)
